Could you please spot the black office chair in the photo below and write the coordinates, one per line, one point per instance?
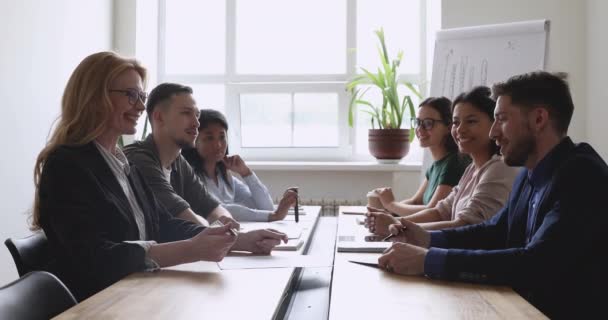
(31, 253)
(37, 295)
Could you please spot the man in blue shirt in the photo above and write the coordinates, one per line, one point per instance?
(548, 241)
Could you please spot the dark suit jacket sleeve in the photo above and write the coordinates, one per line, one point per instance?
(572, 224)
(74, 214)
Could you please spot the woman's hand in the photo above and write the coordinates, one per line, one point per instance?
(378, 221)
(386, 197)
(237, 164)
(290, 196)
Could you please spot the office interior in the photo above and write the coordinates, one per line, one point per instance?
(42, 42)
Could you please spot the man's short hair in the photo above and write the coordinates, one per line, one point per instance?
(164, 92)
(540, 89)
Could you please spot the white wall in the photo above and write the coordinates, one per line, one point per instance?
(567, 42)
(597, 73)
(351, 186)
(41, 43)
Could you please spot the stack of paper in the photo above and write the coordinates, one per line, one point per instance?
(362, 246)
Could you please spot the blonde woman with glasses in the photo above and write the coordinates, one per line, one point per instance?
(101, 219)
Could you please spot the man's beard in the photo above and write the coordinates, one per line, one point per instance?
(184, 144)
(521, 150)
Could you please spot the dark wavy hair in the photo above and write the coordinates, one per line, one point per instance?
(206, 118)
(163, 93)
(443, 106)
(480, 98)
(540, 88)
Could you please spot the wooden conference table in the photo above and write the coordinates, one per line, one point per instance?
(362, 292)
(345, 291)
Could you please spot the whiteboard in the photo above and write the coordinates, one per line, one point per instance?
(483, 55)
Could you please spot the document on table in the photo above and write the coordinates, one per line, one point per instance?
(363, 246)
(291, 245)
(358, 210)
(292, 230)
(268, 262)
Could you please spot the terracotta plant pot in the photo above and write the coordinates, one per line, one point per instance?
(389, 144)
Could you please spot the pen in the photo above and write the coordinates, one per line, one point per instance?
(393, 235)
(295, 208)
(232, 231)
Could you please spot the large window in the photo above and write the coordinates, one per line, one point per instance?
(278, 68)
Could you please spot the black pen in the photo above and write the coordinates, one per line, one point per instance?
(218, 223)
(393, 235)
(295, 208)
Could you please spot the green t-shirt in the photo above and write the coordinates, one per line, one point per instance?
(447, 170)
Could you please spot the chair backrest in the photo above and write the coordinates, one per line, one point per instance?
(37, 295)
(30, 253)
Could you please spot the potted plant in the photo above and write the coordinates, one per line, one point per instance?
(389, 141)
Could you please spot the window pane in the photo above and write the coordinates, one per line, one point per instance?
(210, 96)
(265, 120)
(401, 22)
(195, 37)
(290, 37)
(316, 120)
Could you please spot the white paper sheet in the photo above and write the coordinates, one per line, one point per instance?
(357, 210)
(360, 246)
(291, 229)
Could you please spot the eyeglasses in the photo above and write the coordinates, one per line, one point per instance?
(133, 95)
(426, 123)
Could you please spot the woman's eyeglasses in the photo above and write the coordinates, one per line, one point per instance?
(426, 123)
(133, 95)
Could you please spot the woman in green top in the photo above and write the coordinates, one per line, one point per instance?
(433, 124)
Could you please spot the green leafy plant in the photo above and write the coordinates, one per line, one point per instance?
(391, 113)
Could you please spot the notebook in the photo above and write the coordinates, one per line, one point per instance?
(357, 210)
(291, 245)
(358, 244)
(292, 230)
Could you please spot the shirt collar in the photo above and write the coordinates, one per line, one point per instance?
(543, 172)
(117, 157)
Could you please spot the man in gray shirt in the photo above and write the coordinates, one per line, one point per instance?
(174, 118)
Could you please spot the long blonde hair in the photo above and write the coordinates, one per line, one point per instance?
(86, 108)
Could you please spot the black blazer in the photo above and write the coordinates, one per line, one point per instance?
(86, 217)
(563, 269)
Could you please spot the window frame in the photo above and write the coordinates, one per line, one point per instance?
(236, 84)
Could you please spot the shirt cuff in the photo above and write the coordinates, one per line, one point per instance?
(434, 263)
(438, 240)
(150, 264)
(252, 178)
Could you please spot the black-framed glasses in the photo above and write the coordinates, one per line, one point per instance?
(426, 123)
(133, 95)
